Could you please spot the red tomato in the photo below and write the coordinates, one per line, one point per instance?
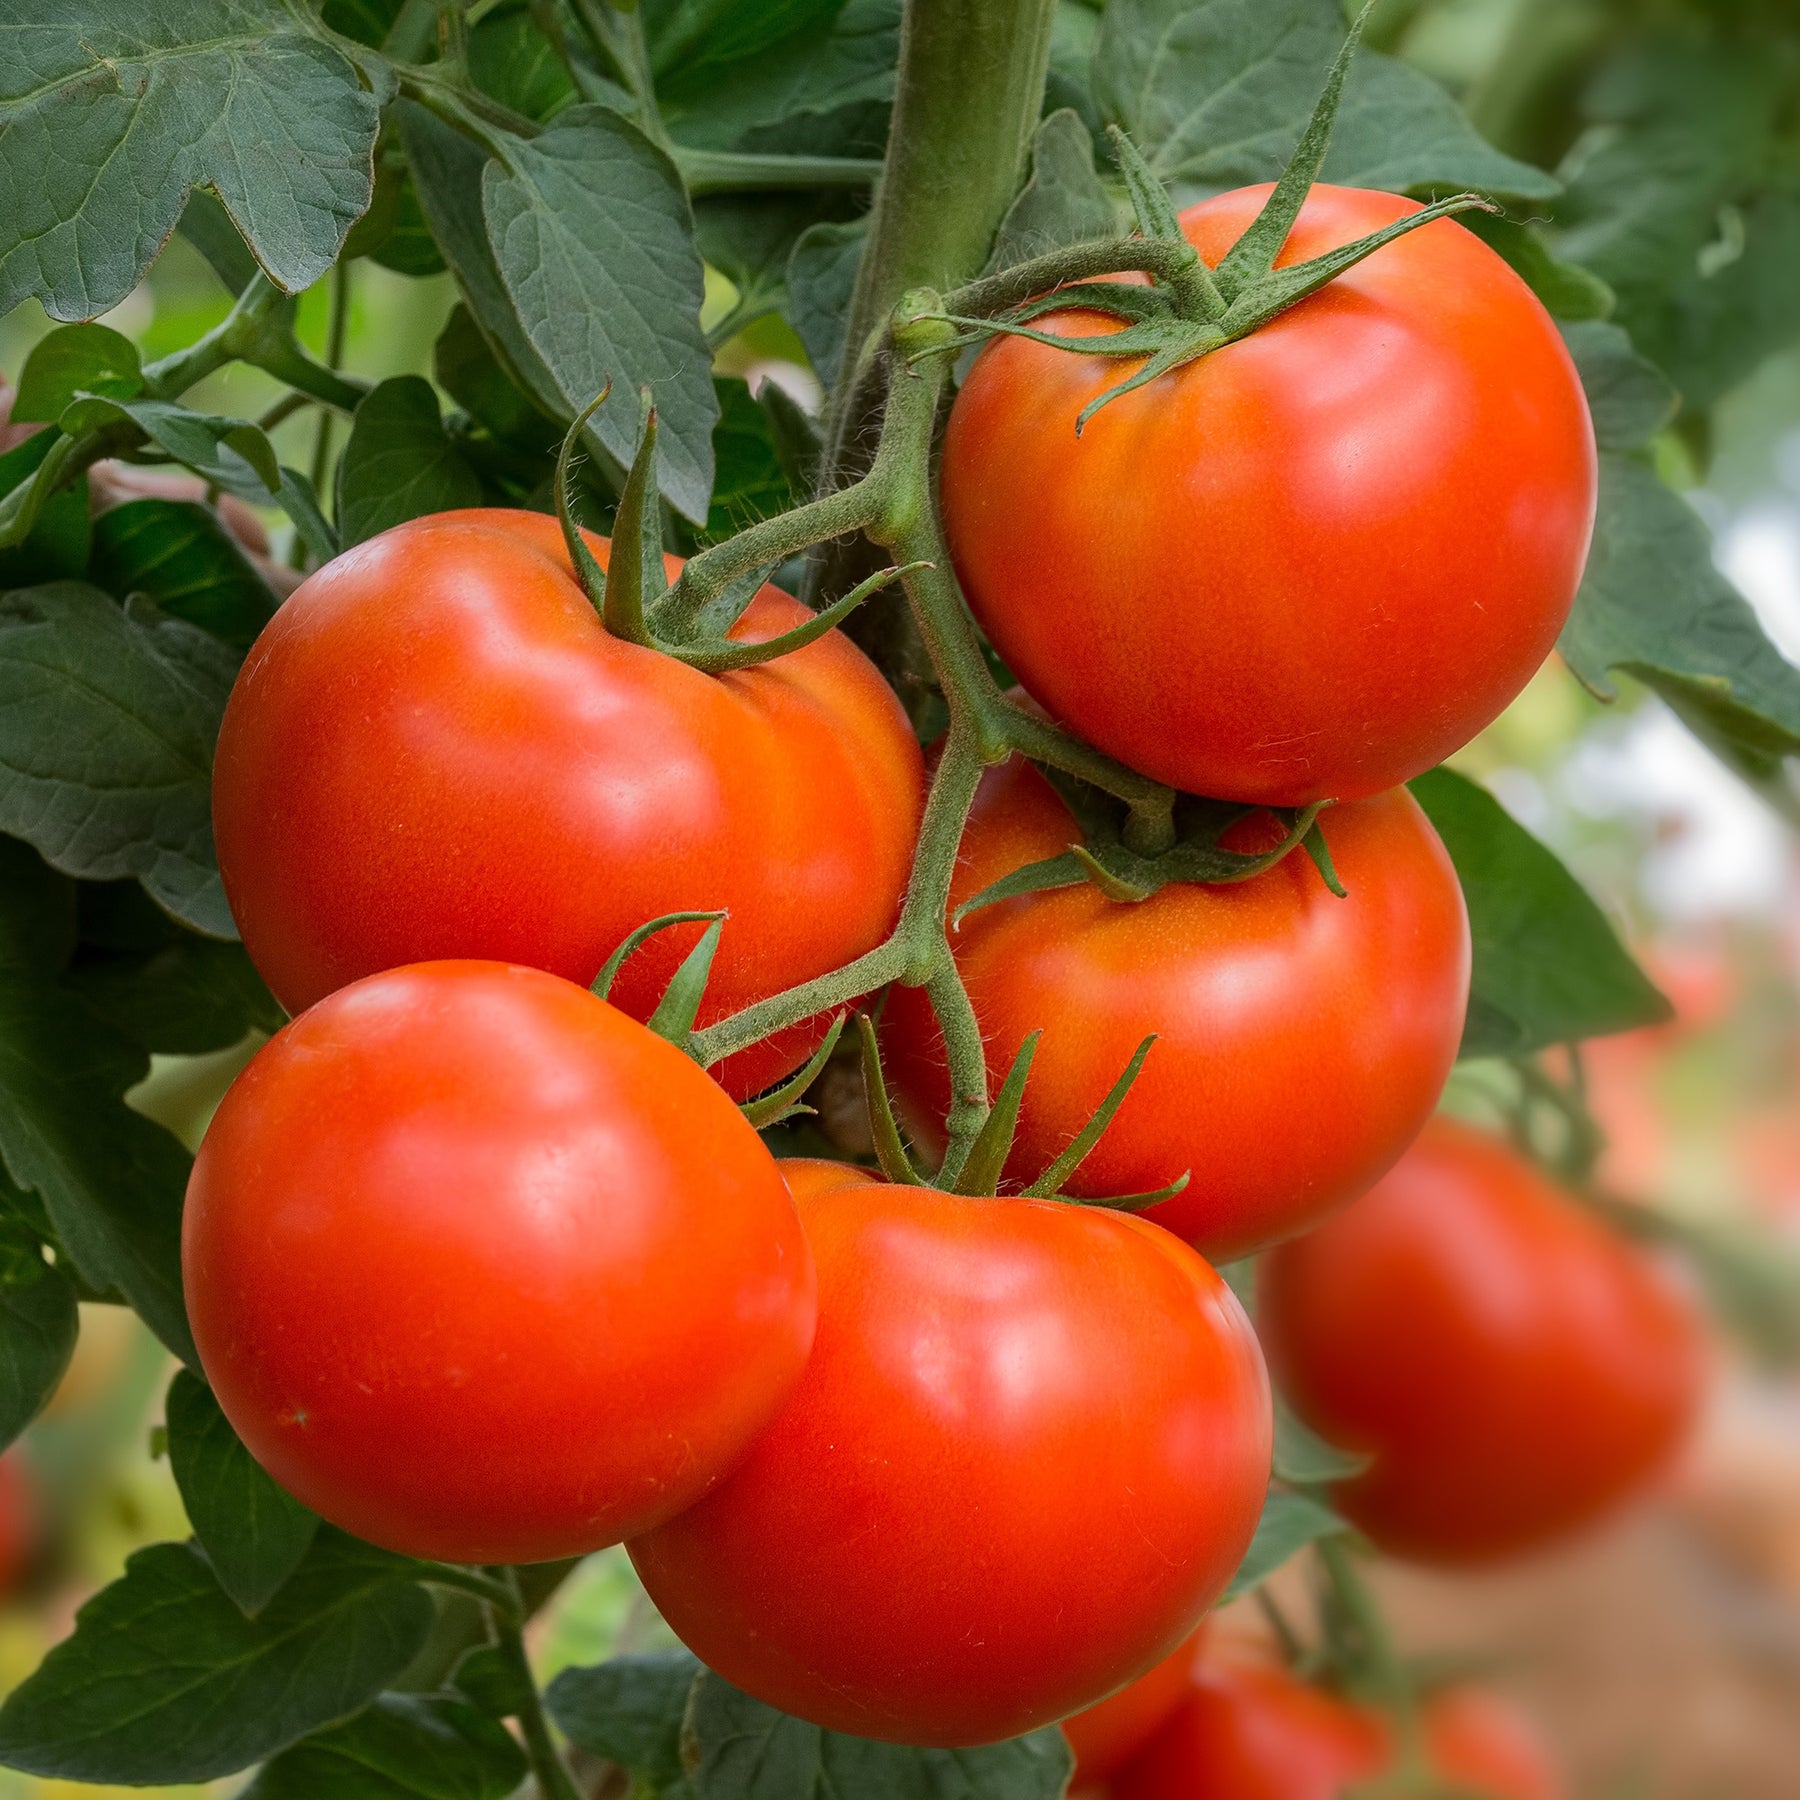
(435, 750)
(1515, 1368)
(1309, 565)
(482, 1270)
(1303, 1040)
(1027, 1453)
(21, 1519)
(1107, 1736)
(1252, 1732)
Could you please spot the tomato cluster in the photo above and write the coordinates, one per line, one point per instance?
(483, 1269)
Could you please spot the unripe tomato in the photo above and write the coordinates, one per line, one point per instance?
(1254, 1732)
(1303, 1039)
(481, 1269)
(1515, 1368)
(435, 750)
(1028, 1451)
(1309, 565)
(1106, 1736)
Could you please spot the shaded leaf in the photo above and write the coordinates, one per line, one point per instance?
(628, 1710)
(178, 554)
(752, 482)
(1631, 399)
(1548, 968)
(208, 227)
(38, 1327)
(1288, 1524)
(470, 373)
(230, 453)
(399, 463)
(74, 359)
(56, 547)
(821, 273)
(1063, 202)
(512, 59)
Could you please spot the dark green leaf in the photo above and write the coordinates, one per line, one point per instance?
(690, 40)
(628, 1710)
(74, 359)
(38, 1325)
(110, 114)
(230, 453)
(165, 1680)
(749, 1751)
(510, 58)
(368, 21)
(492, 1680)
(208, 227)
(1631, 399)
(1653, 606)
(1288, 1524)
(590, 230)
(821, 272)
(56, 547)
(107, 723)
(1567, 290)
(399, 463)
(404, 1747)
(178, 554)
(254, 1533)
(470, 373)
(409, 248)
(1548, 968)
(301, 504)
(1064, 202)
(1216, 94)
(1303, 1458)
(751, 483)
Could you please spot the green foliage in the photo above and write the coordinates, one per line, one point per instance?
(1289, 1522)
(629, 1710)
(399, 463)
(38, 1323)
(179, 556)
(1063, 200)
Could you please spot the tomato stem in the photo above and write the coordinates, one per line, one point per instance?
(553, 1779)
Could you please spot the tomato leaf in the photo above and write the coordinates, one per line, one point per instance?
(56, 547)
(399, 463)
(232, 454)
(1303, 1458)
(1288, 1524)
(254, 1533)
(752, 482)
(628, 1710)
(179, 555)
(820, 274)
(108, 717)
(74, 359)
(748, 1751)
(38, 1326)
(592, 236)
(108, 116)
(1063, 202)
(165, 1680)
(404, 1747)
(1630, 398)
(1216, 94)
(1548, 968)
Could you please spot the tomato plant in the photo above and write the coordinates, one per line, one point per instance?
(429, 1260)
(1514, 1368)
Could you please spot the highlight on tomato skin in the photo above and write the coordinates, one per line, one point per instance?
(482, 1270)
(545, 789)
(1515, 1368)
(1303, 1039)
(925, 1546)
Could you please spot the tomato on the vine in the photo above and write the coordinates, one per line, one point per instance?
(1514, 1367)
(436, 750)
(1252, 1731)
(481, 1269)
(1310, 564)
(1303, 1039)
(1028, 1451)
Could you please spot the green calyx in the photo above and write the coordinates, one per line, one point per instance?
(633, 595)
(1188, 310)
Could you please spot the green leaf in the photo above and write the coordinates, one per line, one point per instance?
(108, 717)
(1288, 1524)
(230, 453)
(404, 1747)
(1652, 605)
(38, 1327)
(511, 59)
(301, 504)
(820, 274)
(254, 1533)
(165, 1680)
(208, 227)
(1303, 1458)
(1548, 968)
(1567, 290)
(751, 482)
(1216, 94)
(749, 1751)
(590, 230)
(1063, 202)
(74, 359)
(692, 39)
(628, 1710)
(178, 554)
(110, 113)
(110, 1182)
(56, 547)
(748, 238)
(470, 373)
(1631, 399)
(399, 463)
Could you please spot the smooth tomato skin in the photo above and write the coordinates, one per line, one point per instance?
(435, 750)
(1303, 1039)
(1516, 1369)
(1254, 1732)
(481, 1269)
(1309, 565)
(1028, 1451)
(1107, 1736)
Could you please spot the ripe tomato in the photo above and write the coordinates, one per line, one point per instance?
(1107, 1736)
(21, 1519)
(1254, 1732)
(1304, 1039)
(1515, 1368)
(435, 750)
(480, 1269)
(1028, 1451)
(1312, 563)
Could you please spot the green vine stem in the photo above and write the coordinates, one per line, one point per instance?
(547, 1766)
